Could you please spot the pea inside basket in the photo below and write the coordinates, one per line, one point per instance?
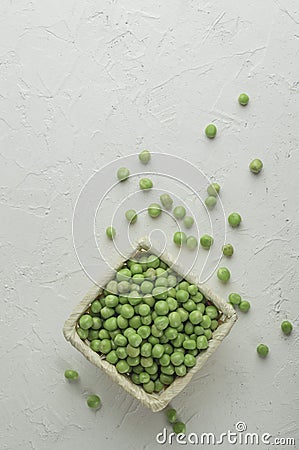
(150, 323)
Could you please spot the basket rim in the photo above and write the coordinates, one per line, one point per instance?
(155, 402)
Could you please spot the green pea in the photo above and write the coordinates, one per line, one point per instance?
(171, 333)
(197, 298)
(168, 349)
(195, 317)
(71, 374)
(174, 319)
(121, 352)
(104, 346)
(157, 351)
(161, 322)
(189, 359)
(189, 344)
(149, 387)
(206, 321)
(179, 428)
(83, 334)
(93, 334)
(227, 250)
(213, 190)
(210, 202)
(122, 366)
(244, 306)
(161, 282)
(208, 333)
(127, 311)
(135, 378)
(153, 262)
(211, 131)
(179, 212)
(111, 301)
(133, 361)
(107, 312)
(110, 232)
(131, 216)
(85, 322)
(172, 303)
(160, 293)
(154, 339)
(212, 312)
(135, 322)
(93, 401)
(154, 210)
(111, 287)
(145, 183)
(110, 324)
(134, 339)
(112, 357)
(146, 287)
(147, 362)
(96, 306)
(166, 379)
(188, 328)
(202, 342)
(192, 289)
(158, 386)
(144, 377)
(206, 241)
(144, 157)
(171, 415)
(183, 315)
(256, 166)
(120, 340)
(144, 331)
(191, 243)
(243, 99)
(146, 320)
(123, 274)
(123, 173)
(180, 370)
(214, 324)
(146, 349)
(179, 238)
(234, 219)
(177, 358)
(188, 221)
(164, 360)
(223, 274)
(122, 322)
(262, 350)
(189, 306)
(104, 334)
(161, 308)
(234, 298)
(286, 327)
(182, 296)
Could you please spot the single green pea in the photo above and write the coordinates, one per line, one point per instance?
(121, 352)
(120, 340)
(131, 216)
(85, 322)
(154, 210)
(234, 219)
(83, 334)
(206, 241)
(256, 166)
(227, 250)
(179, 428)
(104, 334)
(189, 359)
(212, 312)
(96, 306)
(214, 324)
(244, 306)
(182, 296)
(189, 344)
(93, 334)
(104, 346)
(122, 366)
(160, 293)
(123, 173)
(135, 378)
(202, 342)
(195, 317)
(134, 339)
(188, 328)
(171, 415)
(146, 349)
(111, 287)
(133, 361)
(146, 287)
(179, 212)
(110, 232)
(157, 351)
(122, 322)
(161, 282)
(188, 221)
(174, 319)
(124, 274)
(112, 357)
(145, 184)
(110, 324)
(71, 374)
(158, 386)
(177, 358)
(205, 321)
(197, 298)
(179, 238)
(243, 99)
(149, 387)
(183, 315)
(223, 274)
(93, 401)
(262, 350)
(211, 131)
(111, 301)
(208, 333)
(127, 311)
(164, 360)
(191, 243)
(107, 312)
(210, 202)
(144, 157)
(192, 289)
(135, 322)
(286, 327)
(161, 323)
(153, 339)
(172, 303)
(213, 189)
(123, 287)
(162, 308)
(234, 298)
(146, 362)
(144, 377)
(153, 261)
(198, 330)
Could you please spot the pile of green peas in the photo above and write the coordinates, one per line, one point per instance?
(149, 323)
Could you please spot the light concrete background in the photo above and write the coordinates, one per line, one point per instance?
(84, 82)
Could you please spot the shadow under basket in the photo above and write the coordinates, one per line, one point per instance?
(156, 402)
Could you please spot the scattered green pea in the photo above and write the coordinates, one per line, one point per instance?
(179, 428)
(191, 242)
(71, 374)
(144, 157)
(213, 189)
(131, 216)
(234, 219)
(154, 210)
(235, 299)
(166, 201)
(188, 221)
(145, 184)
(210, 202)
(262, 350)
(179, 212)
(179, 238)
(211, 131)
(171, 415)
(206, 241)
(243, 99)
(244, 306)
(223, 274)
(110, 232)
(93, 401)
(286, 327)
(123, 173)
(256, 166)
(228, 250)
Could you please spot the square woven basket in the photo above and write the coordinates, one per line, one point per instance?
(156, 402)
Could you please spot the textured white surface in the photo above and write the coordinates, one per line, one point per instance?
(83, 82)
